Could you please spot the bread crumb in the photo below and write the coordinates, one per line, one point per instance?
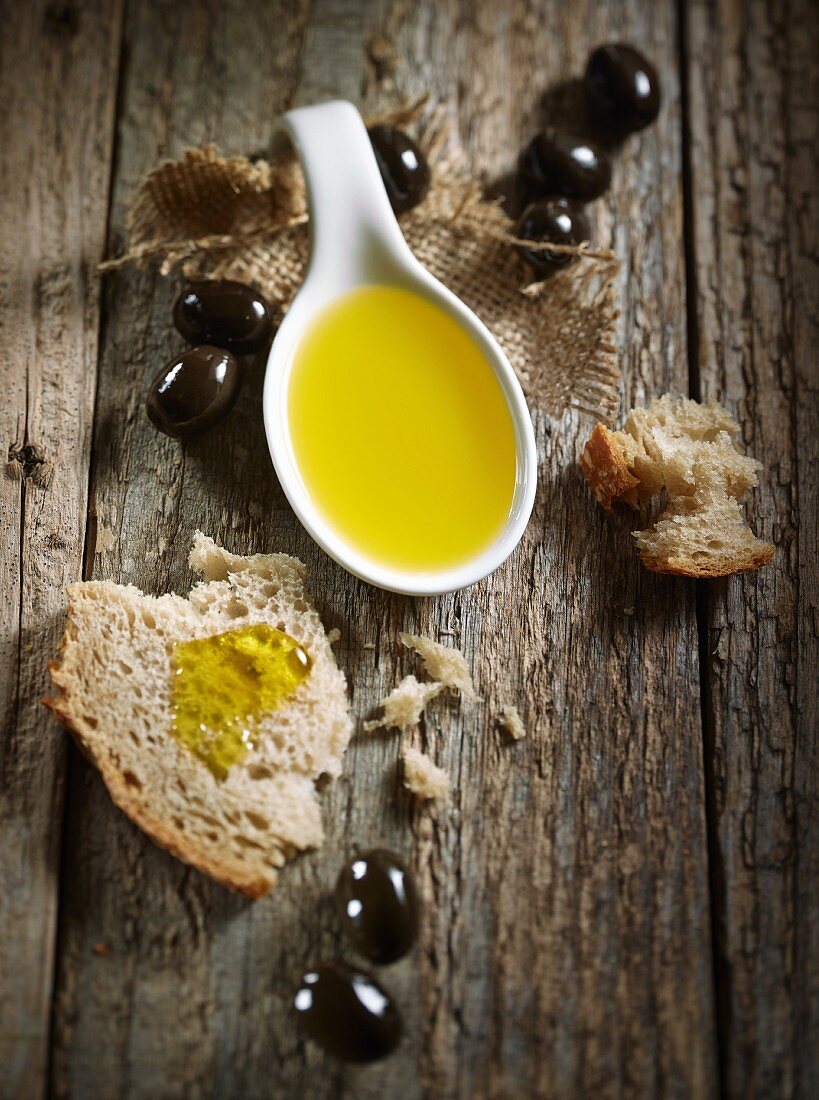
(512, 722)
(404, 704)
(333, 635)
(422, 777)
(446, 664)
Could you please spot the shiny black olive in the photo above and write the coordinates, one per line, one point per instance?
(623, 86)
(378, 904)
(225, 314)
(557, 220)
(403, 167)
(348, 1013)
(193, 391)
(564, 164)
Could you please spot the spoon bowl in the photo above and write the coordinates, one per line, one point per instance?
(355, 241)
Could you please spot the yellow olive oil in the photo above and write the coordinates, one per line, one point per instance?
(401, 432)
(223, 684)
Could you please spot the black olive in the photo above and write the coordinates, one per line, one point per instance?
(378, 904)
(557, 220)
(348, 1013)
(225, 314)
(564, 164)
(403, 167)
(623, 86)
(193, 391)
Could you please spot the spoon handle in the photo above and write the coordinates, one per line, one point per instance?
(354, 236)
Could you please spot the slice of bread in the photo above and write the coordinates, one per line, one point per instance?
(688, 451)
(114, 693)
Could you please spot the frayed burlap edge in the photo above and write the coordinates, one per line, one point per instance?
(230, 217)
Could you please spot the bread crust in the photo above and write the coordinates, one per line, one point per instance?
(604, 463)
(726, 567)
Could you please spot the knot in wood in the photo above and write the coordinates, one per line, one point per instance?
(28, 461)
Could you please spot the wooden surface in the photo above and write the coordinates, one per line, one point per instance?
(623, 904)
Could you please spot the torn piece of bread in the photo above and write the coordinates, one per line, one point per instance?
(446, 664)
(423, 778)
(704, 535)
(512, 722)
(404, 705)
(114, 693)
(688, 450)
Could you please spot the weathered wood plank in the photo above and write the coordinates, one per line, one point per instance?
(753, 73)
(58, 65)
(565, 947)
(607, 811)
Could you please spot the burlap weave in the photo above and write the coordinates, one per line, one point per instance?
(235, 218)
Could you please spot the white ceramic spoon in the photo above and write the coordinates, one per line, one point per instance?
(355, 241)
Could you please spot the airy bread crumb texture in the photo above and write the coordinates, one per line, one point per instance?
(114, 693)
(688, 450)
(404, 705)
(446, 664)
(512, 722)
(423, 778)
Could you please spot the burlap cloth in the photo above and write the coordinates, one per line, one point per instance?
(236, 218)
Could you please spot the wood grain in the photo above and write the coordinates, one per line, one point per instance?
(754, 80)
(565, 947)
(576, 880)
(58, 67)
